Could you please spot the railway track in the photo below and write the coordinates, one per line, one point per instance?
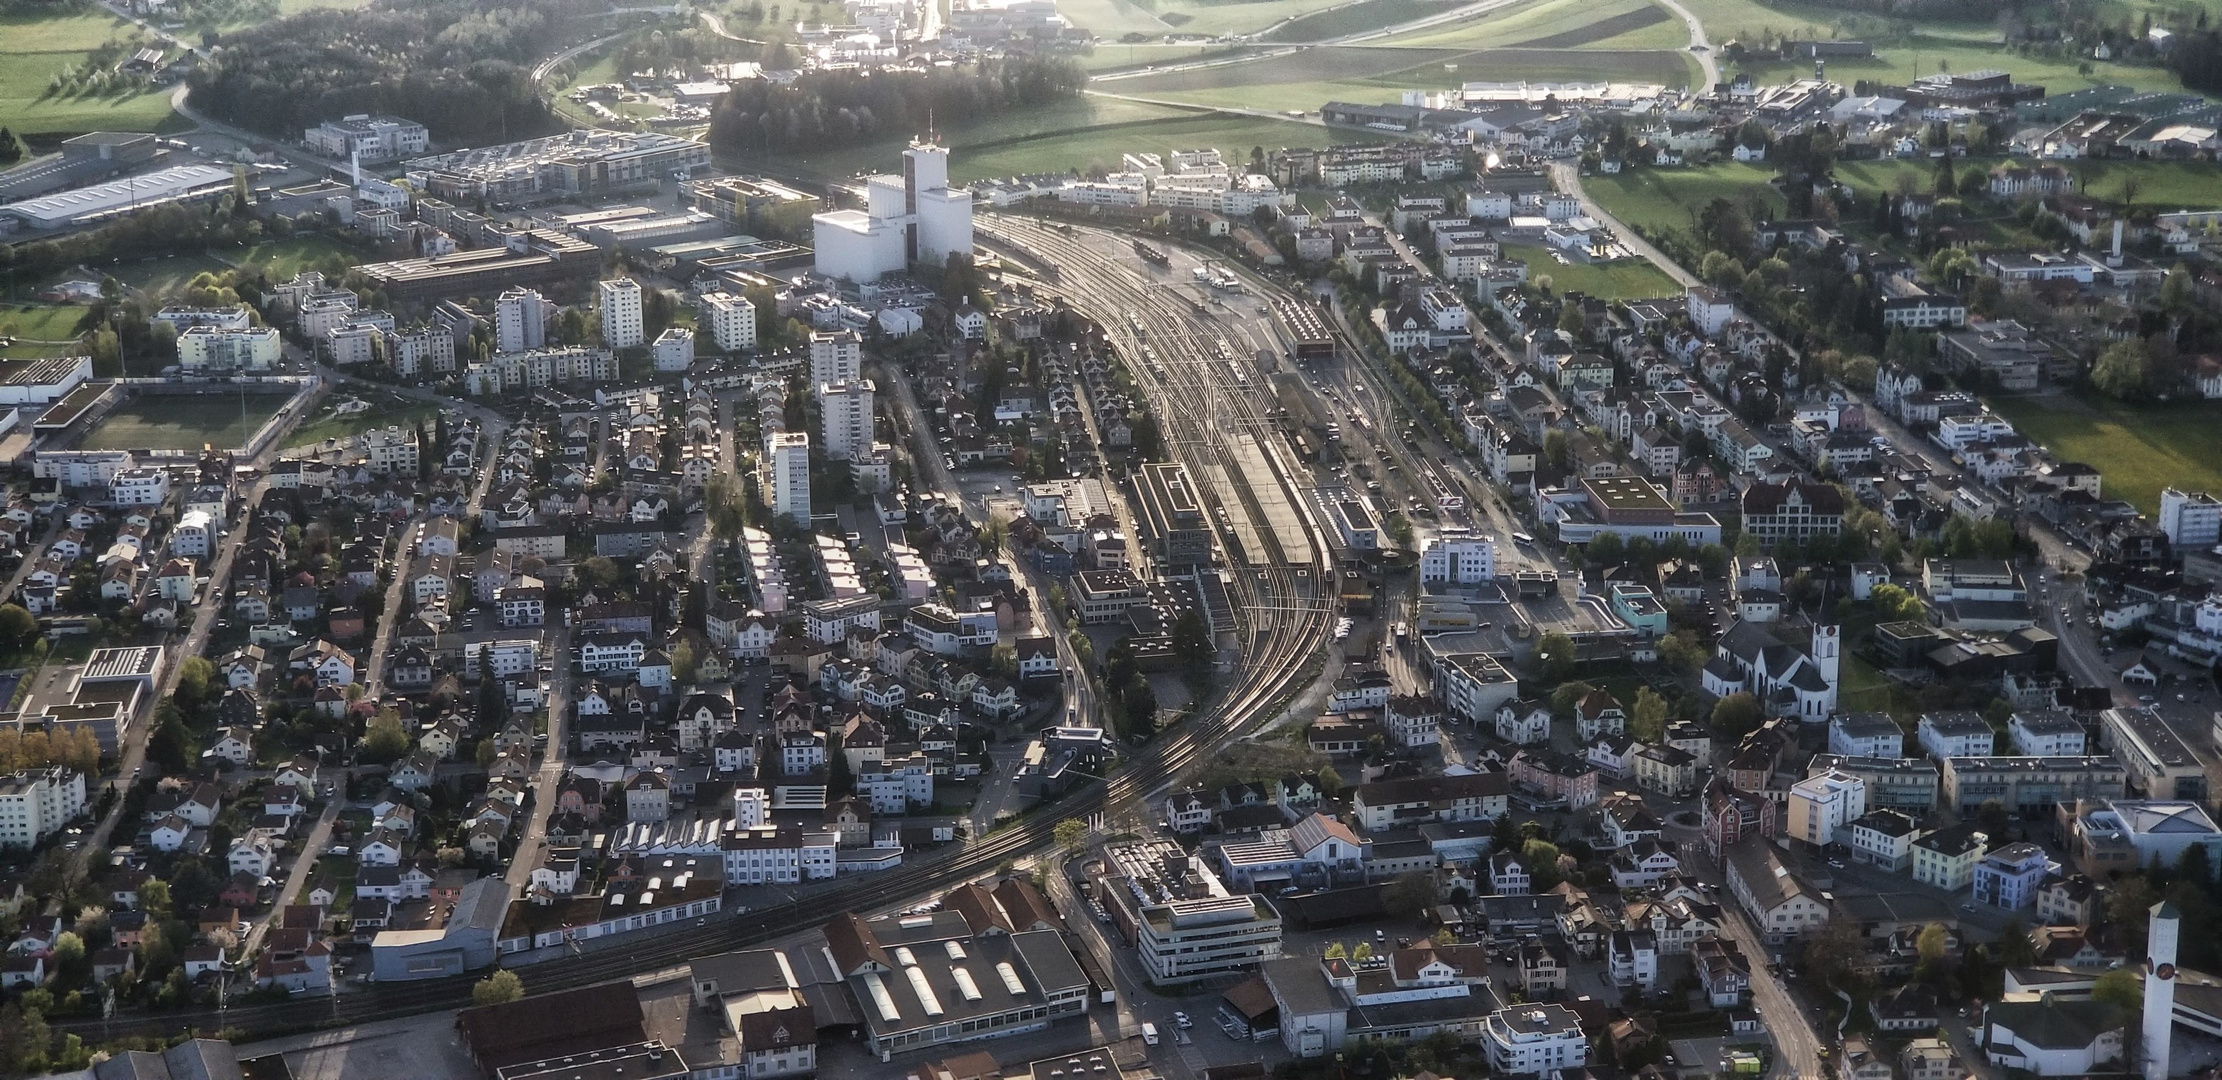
(1286, 604)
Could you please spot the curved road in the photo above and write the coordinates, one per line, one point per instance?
(1699, 46)
(1567, 177)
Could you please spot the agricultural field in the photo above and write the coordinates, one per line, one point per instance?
(1313, 77)
(1665, 198)
(1562, 24)
(1928, 54)
(1072, 119)
(1357, 18)
(34, 48)
(2139, 449)
(1121, 56)
(1113, 19)
(1621, 279)
(1086, 149)
(182, 422)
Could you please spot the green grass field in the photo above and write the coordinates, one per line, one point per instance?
(1115, 18)
(1121, 56)
(2138, 449)
(1309, 79)
(1621, 279)
(1566, 24)
(1928, 53)
(1665, 198)
(1357, 18)
(1232, 135)
(1090, 121)
(281, 259)
(34, 48)
(160, 277)
(385, 408)
(40, 322)
(181, 422)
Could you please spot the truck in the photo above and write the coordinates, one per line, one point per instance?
(1149, 1034)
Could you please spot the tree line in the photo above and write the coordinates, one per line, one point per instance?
(463, 70)
(844, 108)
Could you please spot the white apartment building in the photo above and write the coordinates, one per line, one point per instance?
(674, 349)
(521, 321)
(1821, 803)
(763, 855)
(142, 486)
(732, 320)
(1455, 559)
(204, 347)
(35, 805)
(788, 458)
(622, 326)
(1868, 734)
(845, 418)
(1955, 733)
(836, 357)
(1534, 1040)
(392, 450)
(1186, 924)
(2191, 520)
(2047, 734)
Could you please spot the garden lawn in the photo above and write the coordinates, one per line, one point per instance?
(385, 408)
(1665, 198)
(1620, 279)
(2138, 449)
(34, 48)
(33, 323)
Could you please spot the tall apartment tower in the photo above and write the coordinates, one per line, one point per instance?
(732, 320)
(2160, 986)
(845, 418)
(622, 326)
(520, 321)
(836, 357)
(789, 461)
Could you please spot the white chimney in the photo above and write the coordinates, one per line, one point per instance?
(2114, 257)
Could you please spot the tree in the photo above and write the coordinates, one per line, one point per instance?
(1071, 834)
(1893, 603)
(70, 966)
(684, 667)
(1569, 694)
(1929, 946)
(154, 899)
(1557, 449)
(1737, 715)
(499, 988)
(1647, 717)
(1334, 951)
(384, 740)
(1606, 550)
(1831, 951)
(1554, 654)
(1362, 952)
(194, 677)
(1541, 857)
(2123, 988)
(1680, 649)
(2013, 949)
(1410, 895)
(17, 626)
(2121, 370)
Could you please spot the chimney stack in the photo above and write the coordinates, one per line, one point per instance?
(2114, 257)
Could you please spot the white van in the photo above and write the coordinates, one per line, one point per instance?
(1149, 1034)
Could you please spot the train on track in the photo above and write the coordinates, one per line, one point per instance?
(1152, 254)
